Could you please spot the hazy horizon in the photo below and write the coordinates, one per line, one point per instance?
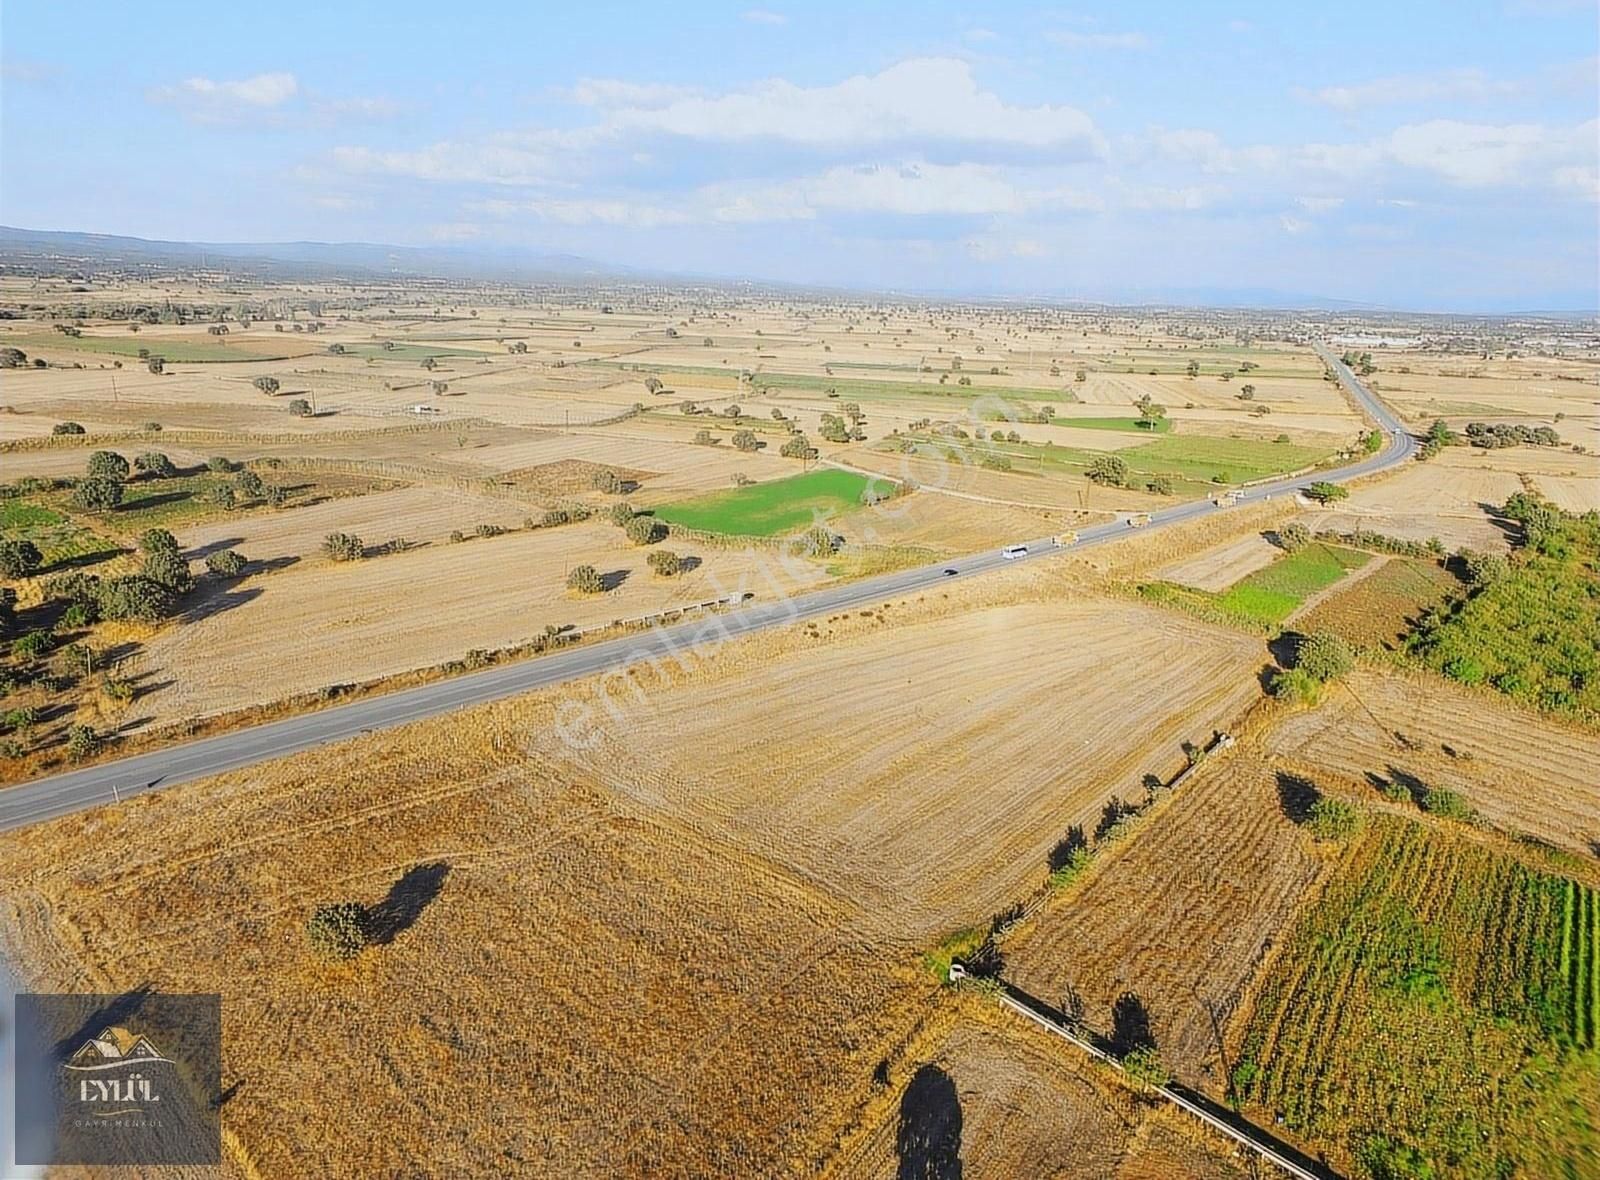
(1448, 165)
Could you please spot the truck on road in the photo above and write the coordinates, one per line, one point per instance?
(1138, 520)
(1062, 540)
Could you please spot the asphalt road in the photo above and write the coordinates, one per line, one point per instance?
(61, 794)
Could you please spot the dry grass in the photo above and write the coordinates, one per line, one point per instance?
(866, 767)
(1222, 565)
(1020, 1103)
(1522, 772)
(1179, 915)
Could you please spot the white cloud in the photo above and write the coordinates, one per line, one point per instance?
(616, 92)
(623, 214)
(505, 159)
(374, 108)
(1071, 40)
(916, 189)
(207, 99)
(762, 16)
(927, 100)
(1476, 155)
(340, 203)
(1319, 204)
(1464, 85)
(979, 36)
(1293, 225)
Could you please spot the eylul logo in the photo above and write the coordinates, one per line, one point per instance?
(114, 1075)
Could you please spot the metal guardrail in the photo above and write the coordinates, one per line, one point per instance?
(1267, 1151)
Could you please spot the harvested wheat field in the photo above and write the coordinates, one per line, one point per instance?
(924, 768)
(558, 985)
(1178, 915)
(354, 621)
(1520, 771)
(417, 514)
(1222, 565)
(1006, 1099)
(1451, 497)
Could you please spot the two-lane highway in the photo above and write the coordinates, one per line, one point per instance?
(108, 782)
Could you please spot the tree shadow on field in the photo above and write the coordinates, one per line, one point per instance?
(689, 564)
(1060, 856)
(610, 581)
(1504, 523)
(407, 898)
(207, 606)
(1399, 786)
(119, 1011)
(201, 552)
(928, 1140)
(1296, 796)
(1130, 1025)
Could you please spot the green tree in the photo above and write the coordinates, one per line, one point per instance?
(82, 742)
(299, 407)
(19, 558)
(644, 530)
(156, 364)
(621, 513)
(1145, 1068)
(1110, 470)
(1333, 819)
(344, 547)
(153, 541)
(797, 447)
(665, 563)
(746, 440)
(338, 930)
(225, 563)
(170, 569)
(267, 385)
(1325, 656)
(1324, 492)
(1293, 537)
(585, 579)
(67, 428)
(98, 493)
(134, 597)
(107, 465)
(155, 465)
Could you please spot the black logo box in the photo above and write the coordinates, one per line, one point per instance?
(118, 1079)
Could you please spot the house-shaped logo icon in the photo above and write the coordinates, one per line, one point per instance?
(114, 1046)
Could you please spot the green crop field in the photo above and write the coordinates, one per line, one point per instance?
(1267, 596)
(1433, 1014)
(1125, 425)
(58, 538)
(1234, 460)
(409, 352)
(771, 509)
(176, 350)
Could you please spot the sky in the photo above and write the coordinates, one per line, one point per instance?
(1436, 156)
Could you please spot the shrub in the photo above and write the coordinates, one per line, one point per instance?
(1293, 537)
(665, 563)
(1296, 684)
(1333, 819)
(157, 541)
(605, 480)
(267, 385)
(621, 514)
(1324, 656)
(156, 364)
(155, 465)
(226, 563)
(644, 530)
(79, 614)
(19, 559)
(98, 494)
(1446, 804)
(1110, 470)
(170, 570)
(1324, 492)
(344, 547)
(82, 742)
(67, 428)
(746, 440)
(338, 930)
(221, 465)
(134, 597)
(250, 484)
(299, 407)
(1146, 1069)
(816, 541)
(797, 447)
(107, 465)
(585, 579)
(33, 646)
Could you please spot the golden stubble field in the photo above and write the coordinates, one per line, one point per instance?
(924, 768)
(693, 963)
(319, 622)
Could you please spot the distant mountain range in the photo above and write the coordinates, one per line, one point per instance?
(309, 261)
